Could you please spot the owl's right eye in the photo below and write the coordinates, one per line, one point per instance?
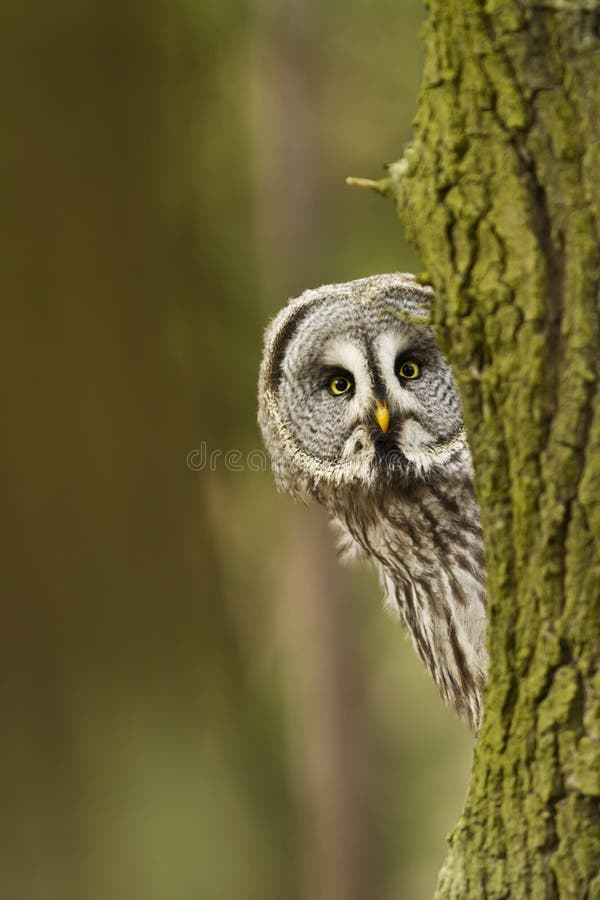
(340, 384)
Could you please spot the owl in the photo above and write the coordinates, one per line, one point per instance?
(360, 411)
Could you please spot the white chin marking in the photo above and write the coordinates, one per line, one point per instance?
(358, 444)
(421, 449)
(415, 436)
(418, 446)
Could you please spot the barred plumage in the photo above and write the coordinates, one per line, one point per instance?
(359, 409)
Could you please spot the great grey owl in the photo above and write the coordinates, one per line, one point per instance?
(359, 409)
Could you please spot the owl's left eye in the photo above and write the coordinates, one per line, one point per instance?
(340, 384)
(408, 369)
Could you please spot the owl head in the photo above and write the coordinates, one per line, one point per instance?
(353, 389)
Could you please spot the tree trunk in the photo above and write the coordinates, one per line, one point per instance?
(500, 194)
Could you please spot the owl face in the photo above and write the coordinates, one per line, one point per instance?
(353, 387)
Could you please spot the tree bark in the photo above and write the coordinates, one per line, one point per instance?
(500, 194)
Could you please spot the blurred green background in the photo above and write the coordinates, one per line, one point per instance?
(198, 702)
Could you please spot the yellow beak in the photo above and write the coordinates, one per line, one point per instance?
(382, 414)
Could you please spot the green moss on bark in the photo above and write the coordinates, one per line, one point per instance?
(500, 194)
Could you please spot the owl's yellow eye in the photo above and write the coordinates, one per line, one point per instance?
(340, 384)
(408, 368)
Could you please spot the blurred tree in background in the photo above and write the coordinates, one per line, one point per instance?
(196, 701)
